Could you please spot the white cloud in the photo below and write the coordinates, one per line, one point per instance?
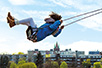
(58, 2)
(84, 46)
(38, 16)
(3, 13)
(25, 45)
(82, 5)
(21, 2)
(94, 22)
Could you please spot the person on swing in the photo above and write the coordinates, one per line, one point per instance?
(51, 26)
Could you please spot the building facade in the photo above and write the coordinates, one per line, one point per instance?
(72, 58)
(15, 58)
(55, 54)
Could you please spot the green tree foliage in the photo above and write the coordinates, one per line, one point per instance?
(13, 65)
(101, 60)
(28, 65)
(4, 61)
(23, 58)
(21, 62)
(63, 65)
(20, 53)
(86, 64)
(47, 64)
(55, 64)
(74, 65)
(39, 60)
(9, 63)
(97, 65)
(51, 64)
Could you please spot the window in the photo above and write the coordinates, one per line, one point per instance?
(62, 53)
(89, 56)
(98, 59)
(99, 56)
(64, 56)
(64, 59)
(78, 60)
(96, 56)
(78, 63)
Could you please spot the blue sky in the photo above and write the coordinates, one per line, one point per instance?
(85, 35)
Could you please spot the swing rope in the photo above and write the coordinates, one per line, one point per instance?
(82, 18)
(83, 14)
(79, 16)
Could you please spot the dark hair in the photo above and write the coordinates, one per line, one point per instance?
(55, 16)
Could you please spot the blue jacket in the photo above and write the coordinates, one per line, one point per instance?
(46, 31)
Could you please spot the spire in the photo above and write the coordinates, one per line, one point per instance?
(56, 47)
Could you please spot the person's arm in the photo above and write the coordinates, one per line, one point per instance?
(59, 31)
(56, 24)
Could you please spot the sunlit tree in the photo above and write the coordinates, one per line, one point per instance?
(63, 65)
(20, 53)
(86, 64)
(9, 63)
(51, 64)
(28, 65)
(13, 65)
(97, 65)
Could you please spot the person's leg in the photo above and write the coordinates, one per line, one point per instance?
(28, 22)
(13, 21)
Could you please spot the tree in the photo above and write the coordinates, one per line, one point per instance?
(86, 64)
(28, 65)
(39, 60)
(47, 64)
(23, 58)
(51, 64)
(4, 61)
(21, 62)
(74, 65)
(54, 64)
(13, 65)
(101, 61)
(9, 63)
(20, 53)
(97, 65)
(63, 65)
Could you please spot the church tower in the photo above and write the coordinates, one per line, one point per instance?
(56, 47)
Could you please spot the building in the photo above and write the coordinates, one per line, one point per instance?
(15, 57)
(66, 55)
(70, 57)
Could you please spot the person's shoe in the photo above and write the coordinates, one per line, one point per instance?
(9, 15)
(11, 22)
(7, 19)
